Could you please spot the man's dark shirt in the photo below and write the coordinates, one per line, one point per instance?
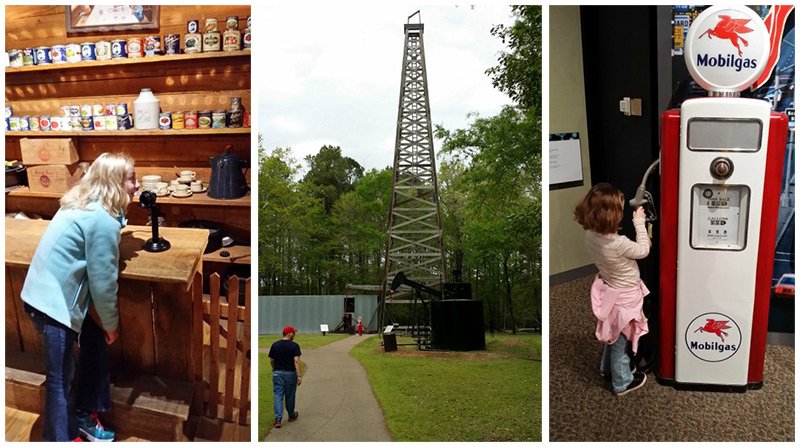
(284, 352)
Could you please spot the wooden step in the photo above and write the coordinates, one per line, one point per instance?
(143, 406)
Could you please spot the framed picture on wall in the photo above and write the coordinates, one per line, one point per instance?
(111, 18)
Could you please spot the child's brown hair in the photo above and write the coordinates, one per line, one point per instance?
(601, 209)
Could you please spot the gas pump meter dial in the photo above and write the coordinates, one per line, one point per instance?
(719, 216)
(721, 168)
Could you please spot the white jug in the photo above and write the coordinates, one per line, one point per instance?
(145, 111)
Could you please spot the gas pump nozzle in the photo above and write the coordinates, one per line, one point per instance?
(643, 197)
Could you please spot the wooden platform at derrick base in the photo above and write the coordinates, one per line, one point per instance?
(143, 407)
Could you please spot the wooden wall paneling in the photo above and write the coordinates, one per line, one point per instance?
(31, 341)
(136, 328)
(197, 343)
(169, 101)
(213, 377)
(230, 349)
(13, 337)
(172, 311)
(36, 25)
(119, 80)
(244, 389)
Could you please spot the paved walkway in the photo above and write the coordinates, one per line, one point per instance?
(335, 400)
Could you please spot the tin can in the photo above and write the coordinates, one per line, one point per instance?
(29, 57)
(8, 125)
(88, 51)
(248, 21)
(246, 120)
(235, 118)
(64, 110)
(232, 22)
(55, 123)
(33, 122)
(211, 42)
(111, 109)
(218, 119)
(236, 102)
(246, 39)
(152, 46)
(122, 108)
(102, 50)
(9, 112)
(100, 122)
(172, 44)
(87, 122)
(190, 120)
(232, 40)
(119, 49)
(124, 122)
(192, 43)
(111, 122)
(13, 124)
(204, 119)
(134, 47)
(24, 123)
(86, 110)
(73, 53)
(66, 123)
(192, 26)
(15, 58)
(75, 122)
(44, 123)
(165, 121)
(74, 110)
(58, 54)
(43, 56)
(177, 120)
(211, 25)
(98, 109)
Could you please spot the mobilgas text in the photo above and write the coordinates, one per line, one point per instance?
(723, 61)
(711, 346)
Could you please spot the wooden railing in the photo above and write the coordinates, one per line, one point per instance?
(231, 322)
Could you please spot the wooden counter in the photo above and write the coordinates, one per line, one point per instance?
(156, 294)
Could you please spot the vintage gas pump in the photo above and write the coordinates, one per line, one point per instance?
(721, 165)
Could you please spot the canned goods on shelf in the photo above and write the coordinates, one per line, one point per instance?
(218, 119)
(192, 26)
(58, 54)
(134, 47)
(246, 119)
(64, 110)
(55, 123)
(111, 122)
(87, 122)
(44, 123)
(172, 44)
(9, 112)
(235, 118)
(152, 46)
(119, 49)
(111, 109)
(190, 120)
(204, 119)
(75, 122)
(165, 121)
(86, 110)
(124, 122)
(74, 110)
(73, 53)
(28, 57)
(232, 22)
(122, 108)
(232, 40)
(246, 39)
(98, 109)
(13, 123)
(43, 56)
(100, 122)
(15, 58)
(248, 21)
(88, 51)
(34, 123)
(24, 123)
(211, 42)
(211, 25)
(178, 120)
(102, 50)
(192, 43)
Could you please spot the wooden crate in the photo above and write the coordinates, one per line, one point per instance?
(48, 151)
(53, 178)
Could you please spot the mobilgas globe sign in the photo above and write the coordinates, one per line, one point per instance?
(713, 337)
(726, 48)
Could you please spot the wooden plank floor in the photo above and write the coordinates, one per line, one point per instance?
(22, 426)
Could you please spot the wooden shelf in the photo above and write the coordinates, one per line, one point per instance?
(128, 133)
(130, 61)
(240, 254)
(194, 200)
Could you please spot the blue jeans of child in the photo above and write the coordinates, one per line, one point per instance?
(92, 388)
(616, 362)
(284, 385)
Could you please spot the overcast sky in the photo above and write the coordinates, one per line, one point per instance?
(332, 74)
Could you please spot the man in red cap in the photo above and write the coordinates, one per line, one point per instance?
(284, 356)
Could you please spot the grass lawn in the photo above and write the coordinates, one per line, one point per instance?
(492, 395)
(266, 415)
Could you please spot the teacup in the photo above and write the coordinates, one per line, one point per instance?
(162, 185)
(174, 183)
(197, 185)
(151, 179)
(188, 175)
(181, 190)
(162, 191)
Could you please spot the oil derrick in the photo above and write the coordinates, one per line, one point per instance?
(414, 241)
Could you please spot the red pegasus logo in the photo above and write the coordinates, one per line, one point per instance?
(729, 28)
(715, 327)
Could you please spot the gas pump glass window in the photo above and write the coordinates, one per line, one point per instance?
(724, 134)
(719, 217)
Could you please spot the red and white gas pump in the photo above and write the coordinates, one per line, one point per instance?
(721, 166)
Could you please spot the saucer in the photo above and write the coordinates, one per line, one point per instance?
(177, 196)
(205, 188)
(185, 181)
(162, 195)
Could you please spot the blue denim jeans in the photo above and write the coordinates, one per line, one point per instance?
(92, 388)
(284, 385)
(616, 362)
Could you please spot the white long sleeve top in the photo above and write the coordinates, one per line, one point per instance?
(615, 255)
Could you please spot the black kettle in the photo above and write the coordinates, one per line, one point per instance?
(227, 179)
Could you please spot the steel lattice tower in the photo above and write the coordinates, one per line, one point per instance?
(414, 243)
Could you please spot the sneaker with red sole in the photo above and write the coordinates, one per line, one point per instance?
(277, 424)
(78, 439)
(294, 417)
